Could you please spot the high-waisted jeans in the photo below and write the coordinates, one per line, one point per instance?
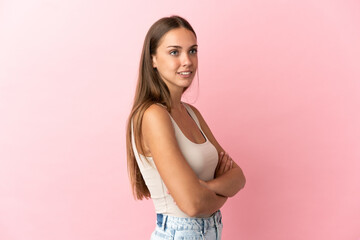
(175, 228)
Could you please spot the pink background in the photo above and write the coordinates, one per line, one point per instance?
(279, 86)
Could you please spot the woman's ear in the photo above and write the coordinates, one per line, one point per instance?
(154, 61)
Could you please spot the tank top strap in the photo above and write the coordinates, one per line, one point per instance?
(192, 114)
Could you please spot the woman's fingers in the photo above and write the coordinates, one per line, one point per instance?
(220, 160)
(224, 165)
(217, 169)
(221, 165)
(203, 183)
(228, 164)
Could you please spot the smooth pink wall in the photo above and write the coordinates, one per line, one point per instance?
(279, 86)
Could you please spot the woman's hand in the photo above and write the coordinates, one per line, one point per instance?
(224, 165)
(203, 183)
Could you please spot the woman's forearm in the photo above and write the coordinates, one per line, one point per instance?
(209, 203)
(229, 183)
(202, 202)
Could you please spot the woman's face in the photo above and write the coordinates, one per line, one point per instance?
(176, 58)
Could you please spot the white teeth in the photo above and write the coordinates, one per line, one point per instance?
(185, 73)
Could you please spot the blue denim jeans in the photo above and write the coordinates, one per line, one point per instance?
(176, 228)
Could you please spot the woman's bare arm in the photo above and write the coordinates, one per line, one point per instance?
(225, 185)
(233, 180)
(191, 197)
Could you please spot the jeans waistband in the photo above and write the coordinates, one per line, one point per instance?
(180, 223)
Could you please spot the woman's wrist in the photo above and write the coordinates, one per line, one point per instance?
(211, 185)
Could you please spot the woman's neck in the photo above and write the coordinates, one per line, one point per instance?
(176, 101)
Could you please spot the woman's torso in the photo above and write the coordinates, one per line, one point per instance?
(202, 158)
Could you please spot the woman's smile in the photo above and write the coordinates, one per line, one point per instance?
(185, 74)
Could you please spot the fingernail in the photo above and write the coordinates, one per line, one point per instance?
(222, 153)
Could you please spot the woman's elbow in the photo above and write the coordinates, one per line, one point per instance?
(192, 208)
(193, 212)
(240, 184)
(195, 204)
(242, 181)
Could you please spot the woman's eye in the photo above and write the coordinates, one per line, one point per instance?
(193, 51)
(175, 52)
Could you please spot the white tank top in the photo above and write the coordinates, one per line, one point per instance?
(202, 158)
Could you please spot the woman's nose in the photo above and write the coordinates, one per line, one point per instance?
(186, 60)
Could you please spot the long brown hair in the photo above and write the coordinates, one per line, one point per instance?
(150, 89)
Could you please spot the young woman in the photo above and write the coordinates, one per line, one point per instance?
(172, 155)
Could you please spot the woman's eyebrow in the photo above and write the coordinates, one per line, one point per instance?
(174, 46)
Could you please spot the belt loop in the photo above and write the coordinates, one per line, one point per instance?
(217, 231)
(203, 229)
(164, 222)
(203, 226)
(217, 224)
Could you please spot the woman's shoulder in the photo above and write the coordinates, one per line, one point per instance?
(157, 124)
(156, 109)
(156, 113)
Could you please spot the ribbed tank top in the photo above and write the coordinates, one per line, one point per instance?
(202, 158)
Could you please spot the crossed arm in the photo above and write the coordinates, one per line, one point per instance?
(229, 178)
(194, 197)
